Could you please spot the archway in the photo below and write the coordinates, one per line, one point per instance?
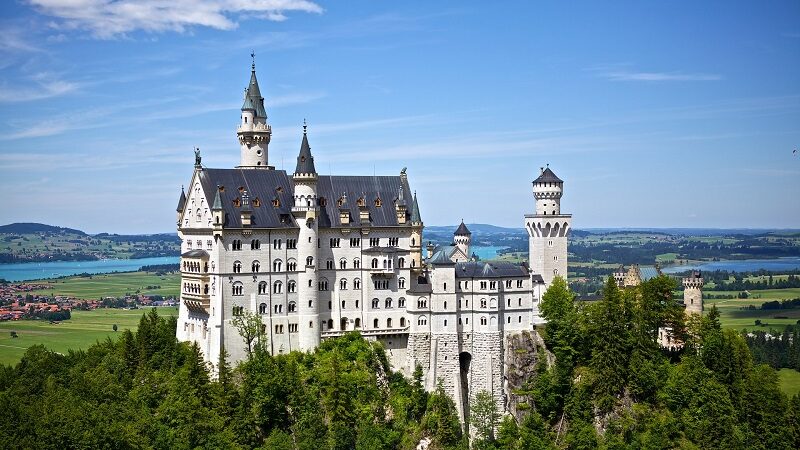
(464, 361)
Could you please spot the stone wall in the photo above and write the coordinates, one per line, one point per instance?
(522, 356)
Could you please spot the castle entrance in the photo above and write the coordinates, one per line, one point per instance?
(464, 361)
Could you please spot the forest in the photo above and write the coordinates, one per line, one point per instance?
(607, 384)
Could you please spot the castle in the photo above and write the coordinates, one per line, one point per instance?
(316, 256)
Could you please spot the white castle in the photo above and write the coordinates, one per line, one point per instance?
(317, 256)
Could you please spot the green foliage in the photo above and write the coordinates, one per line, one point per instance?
(484, 417)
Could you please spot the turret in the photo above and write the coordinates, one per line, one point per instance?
(246, 211)
(254, 132)
(416, 234)
(181, 205)
(693, 293)
(547, 190)
(463, 238)
(218, 213)
(305, 212)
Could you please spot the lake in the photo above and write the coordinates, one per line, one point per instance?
(40, 270)
(486, 253)
(742, 265)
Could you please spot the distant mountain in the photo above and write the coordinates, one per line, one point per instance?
(27, 228)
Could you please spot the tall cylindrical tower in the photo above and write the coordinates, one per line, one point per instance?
(693, 293)
(305, 212)
(548, 228)
(462, 237)
(254, 132)
(547, 190)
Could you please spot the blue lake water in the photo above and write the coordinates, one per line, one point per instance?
(742, 265)
(37, 271)
(486, 252)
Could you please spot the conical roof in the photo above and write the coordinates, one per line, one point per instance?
(548, 176)
(217, 201)
(462, 230)
(415, 217)
(305, 161)
(253, 101)
(181, 201)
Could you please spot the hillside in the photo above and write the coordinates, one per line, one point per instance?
(36, 242)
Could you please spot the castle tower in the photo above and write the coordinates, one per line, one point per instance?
(548, 228)
(416, 235)
(181, 205)
(254, 132)
(693, 293)
(305, 211)
(463, 238)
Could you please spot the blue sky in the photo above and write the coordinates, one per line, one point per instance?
(669, 114)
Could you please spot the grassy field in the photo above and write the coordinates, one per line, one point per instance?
(733, 316)
(790, 381)
(114, 285)
(84, 329)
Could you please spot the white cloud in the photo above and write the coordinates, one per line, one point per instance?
(659, 76)
(47, 86)
(110, 18)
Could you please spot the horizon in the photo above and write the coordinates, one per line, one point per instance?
(671, 114)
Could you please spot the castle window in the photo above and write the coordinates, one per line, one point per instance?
(329, 264)
(357, 284)
(401, 283)
(355, 242)
(378, 202)
(262, 308)
(374, 242)
(483, 285)
(323, 202)
(323, 284)
(402, 322)
(358, 323)
(550, 243)
(237, 288)
(343, 284)
(493, 303)
(445, 324)
(401, 263)
(508, 284)
(330, 324)
(310, 261)
(388, 303)
(422, 320)
(291, 286)
(276, 244)
(360, 202)
(276, 265)
(291, 265)
(236, 244)
(262, 287)
(445, 305)
(278, 329)
(256, 201)
(335, 242)
(401, 302)
(394, 241)
(290, 243)
(292, 328)
(255, 266)
(483, 303)
(493, 285)
(356, 304)
(375, 303)
(199, 215)
(238, 310)
(375, 324)
(292, 306)
(277, 287)
(519, 319)
(344, 303)
(520, 302)
(422, 303)
(356, 263)
(508, 302)
(278, 308)
(343, 263)
(519, 283)
(509, 319)
(483, 320)
(374, 263)
(237, 267)
(330, 306)
(389, 323)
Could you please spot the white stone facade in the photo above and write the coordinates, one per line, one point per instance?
(315, 275)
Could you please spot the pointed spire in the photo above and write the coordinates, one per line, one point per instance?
(253, 101)
(217, 201)
(181, 201)
(462, 230)
(415, 216)
(305, 161)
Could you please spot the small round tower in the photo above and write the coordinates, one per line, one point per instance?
(254, 132)
(547, 190)
(463, 238)
(693, 293)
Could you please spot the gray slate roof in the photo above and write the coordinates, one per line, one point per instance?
(181, 201)
(267, 185)
(264, 185)
(197, 253)
(462, 230)
(648, 272)
(252, 97)
(415, 217)
(305, 161)
(473, 269)
(548, 176)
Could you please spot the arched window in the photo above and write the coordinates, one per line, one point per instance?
(277, 265)
(401, 283)
(388, 303)
(375, 323)
(263, 308)
(402, 322)
(291, 286)
(330, 324)
(237, 267)
(199, 216)
(292, 307)
(310, 261)
(358, 323)
(343, 263)
(356, 263)
(374, 263)
(277, 287)
(343, 323)
(343, 284)
(401, 302)
(422, 302)
(357, 284)
(262, 287)
(237, 288)
(401, 263)
(493, 303)
(375, 303)
(483, 303)
(422, 320)
(389, 323)
(483, 320)
(291, 265)
(323, 284)
(256, 266)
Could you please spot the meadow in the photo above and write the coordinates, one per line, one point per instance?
(82, 330)
(733, 316)
(789, 380)
(94, 287)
